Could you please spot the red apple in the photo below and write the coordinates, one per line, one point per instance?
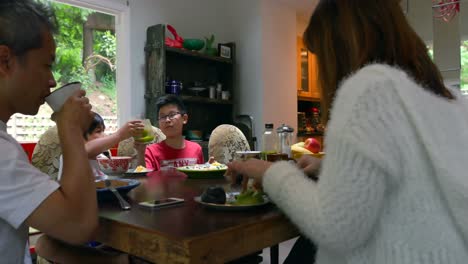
(312, 145)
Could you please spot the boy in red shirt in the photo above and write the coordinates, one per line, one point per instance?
(174, 151)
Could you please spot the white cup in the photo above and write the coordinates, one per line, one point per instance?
(58, 97)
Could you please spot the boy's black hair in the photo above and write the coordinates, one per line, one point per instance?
(171, 99)
(98, 121)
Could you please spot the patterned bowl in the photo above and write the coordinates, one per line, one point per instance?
(116, 165)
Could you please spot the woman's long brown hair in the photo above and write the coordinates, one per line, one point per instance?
(348, 34)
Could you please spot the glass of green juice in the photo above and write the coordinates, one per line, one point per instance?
(147, 135)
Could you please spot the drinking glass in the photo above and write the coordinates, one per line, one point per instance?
(147, 134)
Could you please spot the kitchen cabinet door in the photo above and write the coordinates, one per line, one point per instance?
(307, 73)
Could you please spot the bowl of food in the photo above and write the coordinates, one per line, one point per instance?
(58, 97)
(114, 165)
(123, 186)
(214, 170)
(194, 44)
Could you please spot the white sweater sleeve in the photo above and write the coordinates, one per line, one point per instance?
(361, 165)
(340, 210)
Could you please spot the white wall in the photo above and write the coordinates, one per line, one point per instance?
(301, 25)
(420, 17)
(279, 64)
(445, 36)
(245, 28)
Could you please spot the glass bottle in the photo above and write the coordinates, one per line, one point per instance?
(269, 141)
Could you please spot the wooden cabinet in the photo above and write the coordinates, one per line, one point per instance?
(308, 92)
(188, 67)
(307, 74)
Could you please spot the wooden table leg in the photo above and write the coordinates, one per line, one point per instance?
(274, 254)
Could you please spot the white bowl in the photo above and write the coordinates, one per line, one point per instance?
(58, 97)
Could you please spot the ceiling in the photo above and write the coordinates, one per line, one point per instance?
(303, 7)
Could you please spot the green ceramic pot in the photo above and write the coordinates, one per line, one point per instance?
(194, 44)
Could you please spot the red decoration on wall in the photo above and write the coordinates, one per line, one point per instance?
(445, 10)
(177, 41)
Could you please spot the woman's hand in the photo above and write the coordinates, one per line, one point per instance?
(252, 168)
(132, 128)
(310, 165)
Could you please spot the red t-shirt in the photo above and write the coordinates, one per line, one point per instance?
(161, 155)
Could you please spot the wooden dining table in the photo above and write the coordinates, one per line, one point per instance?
(188, 232)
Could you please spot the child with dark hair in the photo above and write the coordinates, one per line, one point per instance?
(96, 124)
(174, 151)
(97, 143)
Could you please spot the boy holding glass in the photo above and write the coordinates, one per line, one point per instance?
(174, 151)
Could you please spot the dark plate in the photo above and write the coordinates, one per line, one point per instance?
(104, 194)
(203, 174)
(231, 207)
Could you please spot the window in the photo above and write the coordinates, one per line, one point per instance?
(98, 74)
(464, 66)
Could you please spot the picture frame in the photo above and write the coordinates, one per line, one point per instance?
(224, 51)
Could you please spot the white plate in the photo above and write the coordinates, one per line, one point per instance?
(231, 207)
(132, 172)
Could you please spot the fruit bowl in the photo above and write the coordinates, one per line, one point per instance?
(194, 44)
(297, 155)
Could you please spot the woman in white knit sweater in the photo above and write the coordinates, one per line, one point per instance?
(393, 186)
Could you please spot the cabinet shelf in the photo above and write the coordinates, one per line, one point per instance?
(204, 100)
(309, 134)
(197, 54)
(188, 67)
(308, 99)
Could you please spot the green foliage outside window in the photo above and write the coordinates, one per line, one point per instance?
(69, 63)
(464, 65)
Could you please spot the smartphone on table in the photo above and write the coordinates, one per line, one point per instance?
(162, 202)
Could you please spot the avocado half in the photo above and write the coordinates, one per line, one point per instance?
(249, 197)
(215, 195)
